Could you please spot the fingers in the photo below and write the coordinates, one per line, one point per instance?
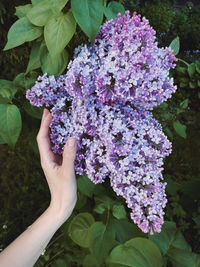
(69, 153)
(46, 120)
(44, 144)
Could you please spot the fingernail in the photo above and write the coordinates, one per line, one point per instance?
(71, 141)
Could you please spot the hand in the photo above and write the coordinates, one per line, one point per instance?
(60, 175)
(59, 171)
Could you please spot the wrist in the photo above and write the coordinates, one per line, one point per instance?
(59, 214)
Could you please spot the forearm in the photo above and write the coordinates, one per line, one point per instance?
(26, 249)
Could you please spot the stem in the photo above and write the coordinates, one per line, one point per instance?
(108, 216)
(183, 61)
(59, 252)
(54, 240)
(104, 3)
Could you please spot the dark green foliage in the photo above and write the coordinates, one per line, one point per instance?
(186, 25)
(22, 184)
(170, 19)
(188, 78)
(159, 15)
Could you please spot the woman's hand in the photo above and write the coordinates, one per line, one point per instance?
(59, 171)
(60, 175)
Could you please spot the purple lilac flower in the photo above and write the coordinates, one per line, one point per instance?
(125, 64)
(131, 66)
(135, 151)
(81, 72)
(47, 91)
(102, 101)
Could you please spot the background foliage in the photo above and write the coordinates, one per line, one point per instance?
(99, 232)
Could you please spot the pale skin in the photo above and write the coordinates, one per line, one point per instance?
(60, 175)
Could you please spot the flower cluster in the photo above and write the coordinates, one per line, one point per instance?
(47, 91)
(104, 100)
(125, 64)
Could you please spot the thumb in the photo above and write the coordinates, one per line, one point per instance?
(69, 153)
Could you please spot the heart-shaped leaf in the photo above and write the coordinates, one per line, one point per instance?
(20, 32)
(78, 229)
(58, 32)
(10, 123)
(89, 15)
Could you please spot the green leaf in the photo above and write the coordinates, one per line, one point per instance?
(21, 11)
(191, 69)
(89, 16)
(119, 212)
(198, 67)
(25, 81)
(172, 186)
(2, 141)
(180, 242)
(99, 189)
(183, 258)
(7, 89)
(58, 32)
(33, 143)
(104, 201)
(4, 100)
(163, 105)
(59, 263)
(101, 240)
(53, 67)
(78, 229)
(5, 93)
(100, 208)
(196, 220)
(90, 261)
(40, 13)
(139, 252)
(169, 132)
(175, 45)
(166, 116)
(57, 5)
(125, 230)
(20, 32)
(19, 80)
(113, 9)
(180, 128)
(81, 201)
(88, 188)
(10, 123)
(190, 189)
(183, 85)
(85, 185)
(34, 112)
(184, 104)
(35, 2)
(184, 79)
(198, 83)
(192, 85)
(169, 236)
(182, 70)
(34, 60)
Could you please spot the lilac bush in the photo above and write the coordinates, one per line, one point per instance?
(104, 100)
